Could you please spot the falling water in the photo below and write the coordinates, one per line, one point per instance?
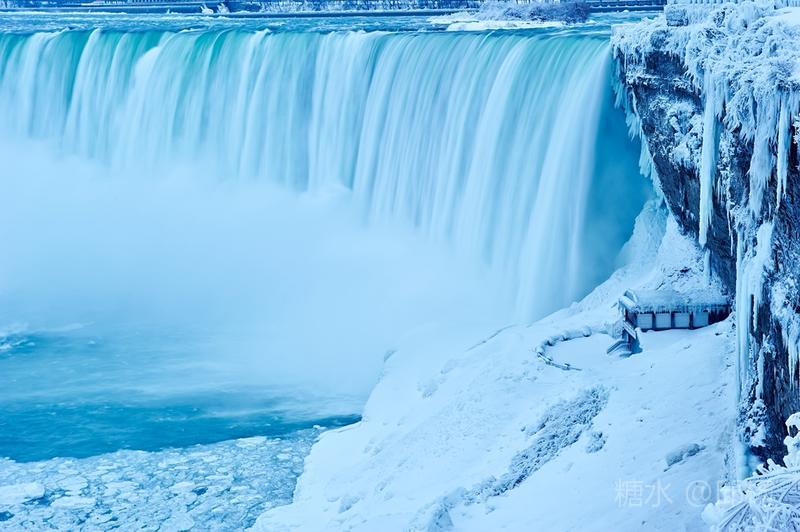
(485, 142)
(224, 232)
(219, 214)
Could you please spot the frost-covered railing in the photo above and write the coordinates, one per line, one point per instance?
(778, 3)
(333, 6)
(614, 5)
(361, 5)
(281, 6)
(564, 336)
(267, 6)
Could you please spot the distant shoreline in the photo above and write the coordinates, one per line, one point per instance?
(237, 10)
(250, 10)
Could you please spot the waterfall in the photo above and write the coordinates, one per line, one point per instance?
(239, 227)
(501, 146)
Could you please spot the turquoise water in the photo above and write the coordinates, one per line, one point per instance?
(75, 394)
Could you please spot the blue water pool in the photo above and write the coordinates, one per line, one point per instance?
(70, 393)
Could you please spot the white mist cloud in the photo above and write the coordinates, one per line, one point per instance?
(273, 287)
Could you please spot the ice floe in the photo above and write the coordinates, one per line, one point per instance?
(222, 486)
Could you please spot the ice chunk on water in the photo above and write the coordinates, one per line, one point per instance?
(19, 493)
(209, 487)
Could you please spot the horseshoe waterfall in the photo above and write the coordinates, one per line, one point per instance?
(487, 143)
(218, 237)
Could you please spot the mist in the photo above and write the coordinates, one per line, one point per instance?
(262, 286)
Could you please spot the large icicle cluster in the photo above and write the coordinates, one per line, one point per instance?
(750, 267)
(743, 60)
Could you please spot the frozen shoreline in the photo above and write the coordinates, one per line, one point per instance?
(205, 487)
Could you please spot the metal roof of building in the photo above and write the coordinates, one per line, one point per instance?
(672, 301)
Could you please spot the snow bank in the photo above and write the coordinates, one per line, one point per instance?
(484, 25)
(483, 435)
(504, 14)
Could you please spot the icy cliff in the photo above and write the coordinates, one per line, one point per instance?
(715, 94)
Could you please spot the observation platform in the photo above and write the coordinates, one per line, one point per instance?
(611, 6)
(659, 310)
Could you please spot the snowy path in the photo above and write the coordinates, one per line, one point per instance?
(474, 444)
(467, 446)
(633, 468)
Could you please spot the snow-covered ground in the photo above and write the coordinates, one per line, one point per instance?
(473, 21)
(503, 14)
(490, 437)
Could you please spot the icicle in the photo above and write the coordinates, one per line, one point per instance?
(627, 102)
(760, 372)
(750, 269)
(783, 312)
(784, 142)
(759, 264)
(742, 318)
(790, 333)
(708, 156)
(763, 161)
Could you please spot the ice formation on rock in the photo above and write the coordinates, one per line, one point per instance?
(742, 60)
(769, 500)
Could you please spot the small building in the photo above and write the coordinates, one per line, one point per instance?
(658, 310)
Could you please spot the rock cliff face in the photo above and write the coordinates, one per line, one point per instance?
(714, 96)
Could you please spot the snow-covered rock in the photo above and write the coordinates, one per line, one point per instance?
(486, 435)
(714, 92)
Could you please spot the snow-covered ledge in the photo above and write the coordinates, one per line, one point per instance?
(488, 435)
(714, 91)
